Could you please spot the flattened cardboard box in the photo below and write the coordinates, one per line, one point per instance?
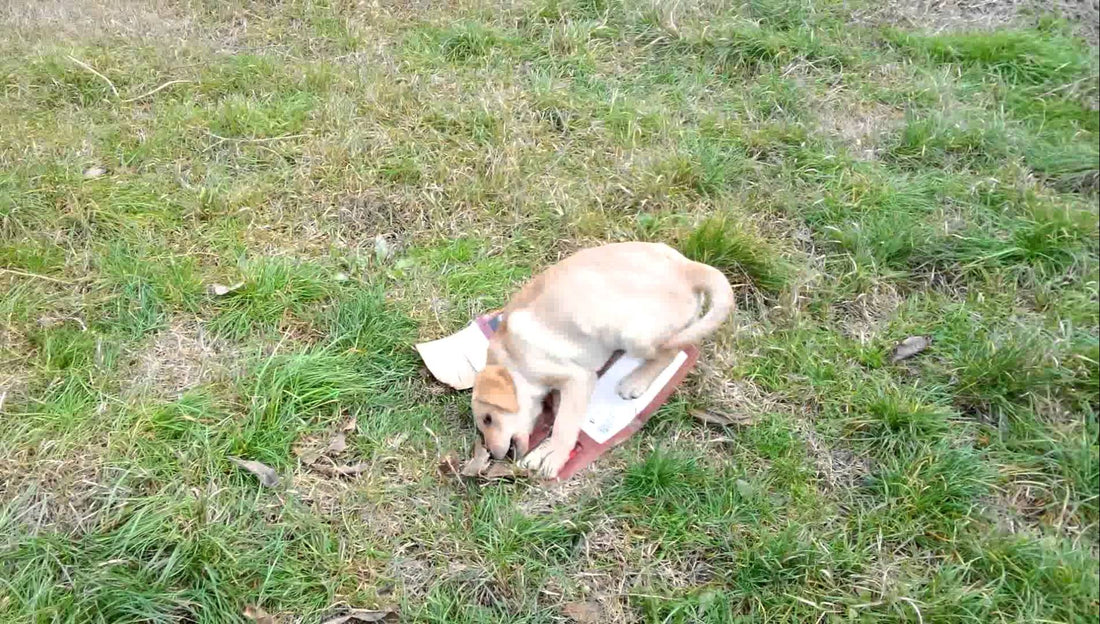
(456, 359)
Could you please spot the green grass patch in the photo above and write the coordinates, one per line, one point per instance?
(268, 151)
(738, 251)
(1017, 57)
(271, 289)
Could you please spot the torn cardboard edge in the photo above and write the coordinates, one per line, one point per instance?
(456, 359)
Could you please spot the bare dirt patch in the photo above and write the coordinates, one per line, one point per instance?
(1019, 507)
(961, 15)
(179, 358)
(866, 316)
(614, 565)
(860, 125)
(57, 494)
(837, 468)
(77, 20)
(711, 382)
(325, 496)
(605, 558)
(14, 373)
(1027, 505)
(741, 399)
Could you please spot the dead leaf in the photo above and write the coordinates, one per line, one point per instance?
(267, 476)
(722, 419)
(584, 612)
(352, 470)
(341, 471)
(258, 615)
(478, 464)
(221, 290)
(336, 445)
(309, 450)
(350, 424)
(449, 466)
(909, 347)
(503, 470)
(362, 615)
(482, 466)
(94, 171)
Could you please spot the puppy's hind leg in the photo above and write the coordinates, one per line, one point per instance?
(638, 381)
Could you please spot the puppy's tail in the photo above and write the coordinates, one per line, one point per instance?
(710, 281)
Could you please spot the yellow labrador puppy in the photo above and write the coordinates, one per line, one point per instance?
(644, 299)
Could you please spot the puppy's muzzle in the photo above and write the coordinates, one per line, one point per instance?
(501, 452)
(516, 449)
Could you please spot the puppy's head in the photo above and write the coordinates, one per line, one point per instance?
(496, 411)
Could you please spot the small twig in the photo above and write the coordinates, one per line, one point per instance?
(865, 605)
(148, 93)
(257, 140)
(92, 69)
(438, 446)
(35, 275)
(913, 603)
(649, 596)
(667, 20)
(1062, 516)
(80, 322)
(115, 90)
(656, 41)
(810, 603)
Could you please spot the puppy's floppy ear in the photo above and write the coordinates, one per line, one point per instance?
(494, 386)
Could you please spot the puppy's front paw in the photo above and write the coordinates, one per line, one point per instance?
(546, 460)
(633, 385)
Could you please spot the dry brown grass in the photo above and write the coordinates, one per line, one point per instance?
(48, 492)
(866, 315)
(961, 15)
(75, 21)
(178, 358)
(838, 469)
(15, 373)
(860, 125)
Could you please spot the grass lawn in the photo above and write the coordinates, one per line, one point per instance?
(361, 175)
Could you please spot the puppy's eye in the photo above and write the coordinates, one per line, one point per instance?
(488, 420)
